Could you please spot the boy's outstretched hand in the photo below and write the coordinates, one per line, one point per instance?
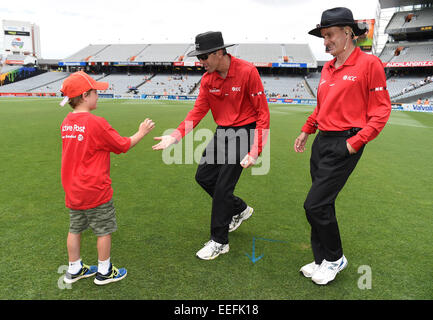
(146, 126)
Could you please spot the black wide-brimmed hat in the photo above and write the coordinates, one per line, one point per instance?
(208, 42)
(339, 16)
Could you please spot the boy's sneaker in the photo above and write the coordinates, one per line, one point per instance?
(85, 272)
(113, 275)
(328, 270)
(309, 269)
(212, 249)
(237, 219)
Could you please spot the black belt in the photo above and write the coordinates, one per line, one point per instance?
(346, 133)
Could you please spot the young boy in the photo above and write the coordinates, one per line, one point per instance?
(87, 142)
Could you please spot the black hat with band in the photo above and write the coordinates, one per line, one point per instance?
(339, 16)
(208, 42)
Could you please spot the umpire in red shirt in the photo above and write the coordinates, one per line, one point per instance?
(353, 106)
(232, 90)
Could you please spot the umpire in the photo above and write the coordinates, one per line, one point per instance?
(232, 90)
(353, 106)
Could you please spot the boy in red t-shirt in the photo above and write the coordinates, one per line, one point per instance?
(87, 141)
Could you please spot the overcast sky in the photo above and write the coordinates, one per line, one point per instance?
(68, 26)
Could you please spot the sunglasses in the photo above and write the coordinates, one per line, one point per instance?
(204, 56)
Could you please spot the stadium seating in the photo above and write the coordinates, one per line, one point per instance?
(313, 80)
(282, 86)
(46, 82)
(409, 19)
(163, 84)
(122, 83)
(159, 84)
(412, 95)
(286, 86)
(398, 84)
(407, 52)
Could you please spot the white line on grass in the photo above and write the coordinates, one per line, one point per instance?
(279, 112)
(403, 119)
(162, 103)
(293, 108)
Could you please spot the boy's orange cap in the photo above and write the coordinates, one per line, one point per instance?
(78, 83)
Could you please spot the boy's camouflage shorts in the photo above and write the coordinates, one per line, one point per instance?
(101, 219)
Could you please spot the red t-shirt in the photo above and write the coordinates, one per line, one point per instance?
(353, 95)
(237, 100)
(87, 141)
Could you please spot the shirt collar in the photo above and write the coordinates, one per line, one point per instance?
(350, 61)
(231, 72)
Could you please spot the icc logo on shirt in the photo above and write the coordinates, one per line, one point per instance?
(351, 78)
(80, 137)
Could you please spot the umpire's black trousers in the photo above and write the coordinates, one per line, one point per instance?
(330, 167)
(218, 173)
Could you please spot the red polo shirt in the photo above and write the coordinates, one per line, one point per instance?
(87, 141)
(237, 100)
(352, 95)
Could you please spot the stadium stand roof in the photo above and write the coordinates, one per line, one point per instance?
(259, 53)
(262, 55)
(86, 53)
(51, 62)
(118, 52)
(386, 4)
(164, 52)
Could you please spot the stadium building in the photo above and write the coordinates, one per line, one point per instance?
(21, 42)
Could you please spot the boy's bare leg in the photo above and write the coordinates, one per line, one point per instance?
(104, 247)
(107, 273)
(73, 243)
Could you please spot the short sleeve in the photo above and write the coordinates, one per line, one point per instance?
(110, 140)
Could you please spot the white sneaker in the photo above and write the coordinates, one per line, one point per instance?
(309, 269)
(237, 219)
(328, 270)
(212, 249)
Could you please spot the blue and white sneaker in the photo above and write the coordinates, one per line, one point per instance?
(85, 272)
(328, 270)
(113, 275)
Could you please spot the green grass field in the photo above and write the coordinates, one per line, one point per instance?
(385, 213)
